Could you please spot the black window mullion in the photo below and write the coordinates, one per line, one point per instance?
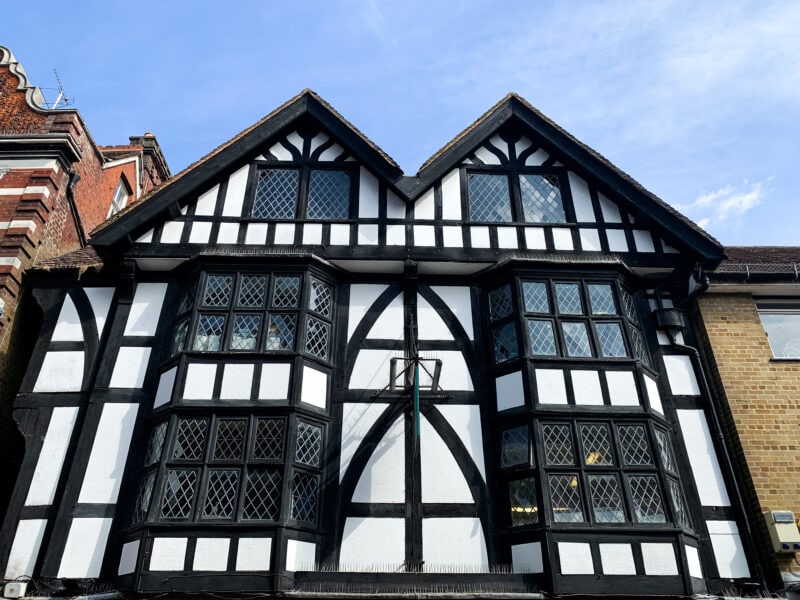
(301, 206)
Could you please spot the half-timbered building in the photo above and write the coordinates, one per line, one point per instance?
(294, 368)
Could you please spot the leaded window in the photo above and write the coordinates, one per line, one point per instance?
(505, 197)
(504, 331)
(278, 194)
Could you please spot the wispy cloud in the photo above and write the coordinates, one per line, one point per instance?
(726, 203)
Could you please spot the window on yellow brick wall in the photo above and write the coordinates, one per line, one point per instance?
(781, 322)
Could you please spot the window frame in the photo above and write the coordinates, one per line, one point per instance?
(115, 207)
(785, 307)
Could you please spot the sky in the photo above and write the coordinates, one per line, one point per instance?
(698, 101)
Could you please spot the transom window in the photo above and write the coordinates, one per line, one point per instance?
(507, 197)
(301, 193)
(781, 322)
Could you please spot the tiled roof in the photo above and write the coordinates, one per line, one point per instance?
(759, 263)
(82, 260)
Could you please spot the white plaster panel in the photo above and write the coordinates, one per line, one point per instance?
(500, 144)
(60, 372)
(234, 196)
(294, 140)
(301, 556)
(362, 296)
(207, 202)
(256, 234)
(317, 141)
(383, 477)
(68, 327)
(274, 384)
(357, 419)
(237, 382)
(200, 233)
(312, 234)
(451, 196)
(487, 157)
(534, 238)
(693, 560)
(165, 385)
(452, 237)
(367, 235)
(575, 558)
(550, 386)
(586, 386)
(480, 237)
(228, 233)
(168, 554)
(680, 374)
(373, 544)
(51, 458)
(562, 238)
(254, 554)
(653, 394)
(590, 240)
(85, 547)
(25, 548)
(145, 238)
(609, 210)
(459, 301)
(127, 560)
(395, 235)
(442, 479)
(109, 454)
(527, 558)
(424, 235)
(211, 554)
(581, 199)
(537, 158)
(146, 309)
(622, 388)
(389, 325)
(130, 368)
(340, 234)
(617, 242)
(465, 419)
(669, 249)
(367, 195)
(424, 206)
(659, 559)
(395, 207)
(617, 559)
(510, 391)
(431, 325)
(314, 388)
(171, 232)
(643, 241)
(728, 551)
(521, 145)
(455, 375)
(199, 384)
(454, 544)
(331, 153)
(280, 152)
(507, 237)
(284, 233)
(100, 301)
(703, 458)
(371, 369)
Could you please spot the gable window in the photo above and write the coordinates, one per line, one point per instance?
(503, 198)
(302, 193)
(120, 199)
(781, 322)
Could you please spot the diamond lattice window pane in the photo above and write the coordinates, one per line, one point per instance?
(646, 496)
(155, 444)
(558, 444)
(190, 440)
(665, 451)
(606, 499)
(540, 335)
(286, 293)
(262, 498)
(269, 439)
(565, 498)
(639, 348)
(576, 338)
(179, 337)
(245, 332)
(309, 444)
(535, 294)
(633, 441)
(209, 333)
(541, 199)
(276, 194)
(218, 290)
(143, 496)
(252, 291)
(221, 493)
(596, 440)
(304, 497)
(601, 299)
(609, 336)
(280, 335)
(504, 341)
(229, 443)
(524, 508)
(317, 335)
(568, 298)
(328, 195)
(500, 304)
(489, 200)
(178, 494)
(515, 447)
(681, 514)
(629, 305)
(320, 299)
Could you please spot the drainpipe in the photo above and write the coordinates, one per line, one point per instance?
(73, 179)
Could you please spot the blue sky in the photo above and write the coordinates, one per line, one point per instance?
(698, 101)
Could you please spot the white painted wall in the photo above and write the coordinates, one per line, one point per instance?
(254, 554)
(442, 479)
(575, 558)
(207, 202)
(146, 309)
(459, 301)
(455, 375)
(395, 207)
(609, 210)
(357, 419)
(389, 324)
(274, 384)
(454, 544)
(171, 232)
(653, 395)
(465, 419)
(234, 197)
(60, 372)
(581, 199)
(314, 387)
(131, 367)
(25, 548)
(237, 381)
(301, 556)
(362, 296)
(199, 384)
(367, 235)
(51, 458)
(617, 559)
(127, 559)
(510, 391)
(622, 388)
(451, 196)
(659, 559)
(527, 558)
(550, 386)
(168, 554)
(85, 547)
(431, 326)
(424, 206)
(165, 385)
(586, 387)
(590, 240)
(211, 554)
(68, 327)
(693, 560)
(100, 301)
(371, 369)
(703, 458)
(617, 242)
(681, 376)
(643, 241)
(373, 544)
(383, 478)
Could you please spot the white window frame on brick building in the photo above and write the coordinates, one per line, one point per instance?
(781, 322)
(120, 199)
